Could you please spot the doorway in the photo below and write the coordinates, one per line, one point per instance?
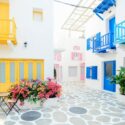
(109, 71)
(112, 29)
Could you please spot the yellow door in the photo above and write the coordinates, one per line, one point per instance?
(4, 10)
(8, 75)
(4, 20)
(14, 70)
(3, 75)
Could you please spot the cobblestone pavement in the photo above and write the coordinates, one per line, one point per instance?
(101, 108)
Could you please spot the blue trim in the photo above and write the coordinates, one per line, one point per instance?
(103, 43)
(100, 44)
(120, 33)
(88, 44)
(94, 72)
(104, 6)
(107, 85)
(88, 72)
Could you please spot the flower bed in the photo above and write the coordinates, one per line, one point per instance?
(34, 90)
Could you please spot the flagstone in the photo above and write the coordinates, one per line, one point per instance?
(59, 116)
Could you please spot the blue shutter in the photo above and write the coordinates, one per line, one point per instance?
(98, 40)
(88, 44)
(88, 72)
(94, 72)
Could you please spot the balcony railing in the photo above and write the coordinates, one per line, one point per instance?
(7, 31)
(120, 33)
(100, 44)
(105, 42)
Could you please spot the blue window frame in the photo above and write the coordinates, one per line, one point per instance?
(88, 44)
(88, 72)
(92, 72)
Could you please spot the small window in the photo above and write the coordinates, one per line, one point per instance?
(91, 72)
(109, 70)
(73, 71)
(37, 15)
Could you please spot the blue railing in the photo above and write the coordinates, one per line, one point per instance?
(106, 42)
(120, 33)
(102, 43)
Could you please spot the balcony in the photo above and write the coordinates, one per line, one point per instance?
(100, 44)
(7, 31)
(120, 33)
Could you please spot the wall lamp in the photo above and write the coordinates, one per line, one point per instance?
(25, 44)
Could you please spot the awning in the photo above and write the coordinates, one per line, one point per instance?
(104, 6)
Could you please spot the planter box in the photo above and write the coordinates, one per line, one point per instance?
(31, 105)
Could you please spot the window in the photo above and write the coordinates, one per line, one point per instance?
(76, 56)
(73, 71)
(91, 72)
(109, 70)
(88, 44)
(37, 15)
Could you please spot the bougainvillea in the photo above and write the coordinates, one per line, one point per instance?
(34, 90)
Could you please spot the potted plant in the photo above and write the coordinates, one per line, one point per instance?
(53, 92)
(33, 92)
(120, 80)
(28, 92)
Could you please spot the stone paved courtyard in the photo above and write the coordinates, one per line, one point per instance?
(102, 109)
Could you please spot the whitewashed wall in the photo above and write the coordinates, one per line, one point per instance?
(120, 17)
(69, 43)
(94, 26)
(39, 35)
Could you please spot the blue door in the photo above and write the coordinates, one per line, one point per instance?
(112, 29)
(109, 71)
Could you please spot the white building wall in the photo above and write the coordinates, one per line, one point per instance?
(120, 17)
(94, 26)
(39, 35)
(66, 58)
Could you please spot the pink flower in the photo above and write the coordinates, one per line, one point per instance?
(41, 95)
